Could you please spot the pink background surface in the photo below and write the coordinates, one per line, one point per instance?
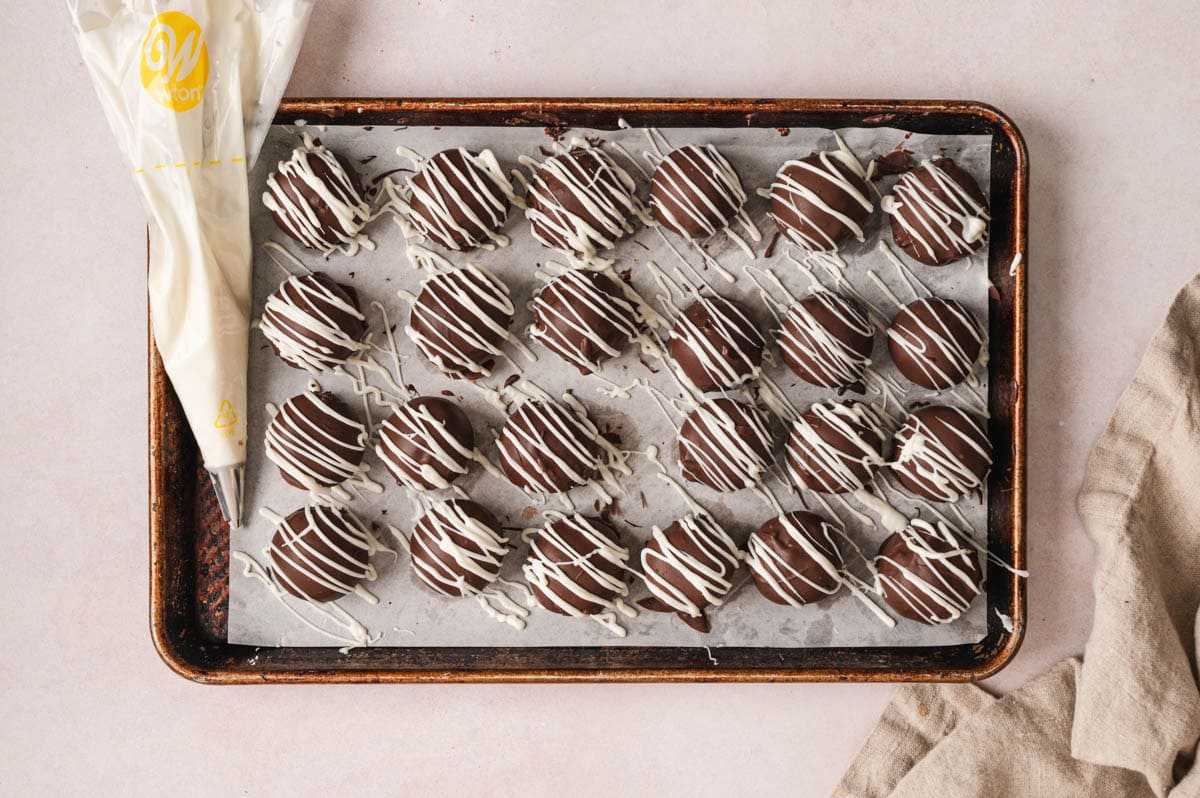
(1107, 98)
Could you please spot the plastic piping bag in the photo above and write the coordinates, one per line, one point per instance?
(190, 88)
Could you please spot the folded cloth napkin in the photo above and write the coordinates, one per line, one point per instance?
(1125, 721)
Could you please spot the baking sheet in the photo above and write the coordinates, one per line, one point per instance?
(408, 614)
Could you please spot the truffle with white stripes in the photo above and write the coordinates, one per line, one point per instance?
(427, 443)
(689, 567)
(321, 553)
(313, 323)
(928, 573)
(942, 453)
(939, 214)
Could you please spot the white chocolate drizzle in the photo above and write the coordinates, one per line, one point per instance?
(358, 634)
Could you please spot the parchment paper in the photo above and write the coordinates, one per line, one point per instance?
(409, 614)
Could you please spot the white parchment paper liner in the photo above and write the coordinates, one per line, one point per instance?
(408, 614)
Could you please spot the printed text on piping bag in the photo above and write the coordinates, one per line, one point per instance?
(189, 88)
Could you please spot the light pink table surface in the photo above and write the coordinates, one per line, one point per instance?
(1108, 101)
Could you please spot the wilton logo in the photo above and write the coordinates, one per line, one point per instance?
(174, 61)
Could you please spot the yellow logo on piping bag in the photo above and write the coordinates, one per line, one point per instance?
(226, 418)
(174, 61)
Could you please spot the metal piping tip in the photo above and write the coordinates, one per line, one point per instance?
(227, 482)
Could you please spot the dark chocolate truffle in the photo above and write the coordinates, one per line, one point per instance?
(549, 447)
(938, 213)
(576, 567)
(689, 567)
(321, 553)
(725, 444)
(826, 340)
(460, 319)
(457, 548)
(459, 200)
(581, 202)
(795, 560)
(928, 574)
(715, 344)
(583, 317)
(313, 323)
(942, 453)
(695, 193)
(935, 342)
(822, 201)
(835, 447)
(317, 199)
(426, 444)
(316, 442)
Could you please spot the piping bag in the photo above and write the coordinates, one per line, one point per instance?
(190, 88)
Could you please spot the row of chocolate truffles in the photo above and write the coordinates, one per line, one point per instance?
(461, 318)
(581, 202)
(578, 566)
(547, 447)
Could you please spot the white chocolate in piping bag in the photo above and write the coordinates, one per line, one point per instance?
(190, 88)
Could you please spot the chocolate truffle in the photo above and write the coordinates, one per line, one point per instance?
(795, 560)
(460, 319)
(826, 340)
(317, 199)
(835, 447)
(459, 200)
(822, 201)
(725, 444)
(935, 342)
(942, 453)
(581, 202)
(316, 442)
(549, 447)
(938, 213)
(576, 567)
(689, 567)
(695, 193)
(426, 444)
(582, 317)
(457, 548)
(715, 344)
(313, 323)
(928, 574)
(321, 553)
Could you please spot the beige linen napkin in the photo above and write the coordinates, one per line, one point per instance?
(1126, 721)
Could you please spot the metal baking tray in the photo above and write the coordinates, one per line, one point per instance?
(189, 542)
